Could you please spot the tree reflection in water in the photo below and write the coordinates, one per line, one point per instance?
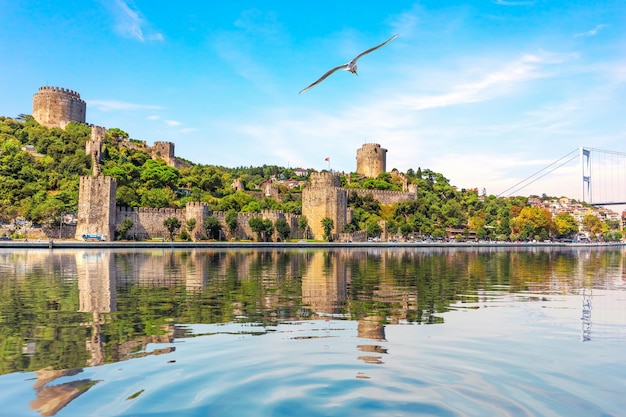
(64, 310)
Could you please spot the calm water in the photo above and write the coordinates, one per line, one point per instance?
(361, 332)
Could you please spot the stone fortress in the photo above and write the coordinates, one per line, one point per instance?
(56, 107)
(98, 214)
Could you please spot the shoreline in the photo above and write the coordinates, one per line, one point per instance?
(75, 244)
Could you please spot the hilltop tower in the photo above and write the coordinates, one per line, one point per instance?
(56, 107)
(371, 160)
(324, 197)
(165, 151)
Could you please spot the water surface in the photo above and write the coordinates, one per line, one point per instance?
(406, 332)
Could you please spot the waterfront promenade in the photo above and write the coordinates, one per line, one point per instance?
(73, 244)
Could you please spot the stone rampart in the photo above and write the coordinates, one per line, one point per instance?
(358, 236)
(244, 231)
(384, 196)
(148, 222)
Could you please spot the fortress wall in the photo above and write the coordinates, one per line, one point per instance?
(244, 231)
(148, 222)
(56, 107)
(385, 196)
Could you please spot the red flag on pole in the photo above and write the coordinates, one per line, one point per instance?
(327, 159)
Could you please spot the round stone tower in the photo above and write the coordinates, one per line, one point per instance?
(371, 160)
(56, 107)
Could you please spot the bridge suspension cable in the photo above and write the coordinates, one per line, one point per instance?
(536, 176)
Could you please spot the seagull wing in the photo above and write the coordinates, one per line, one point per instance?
(374, 48)
(323, 77)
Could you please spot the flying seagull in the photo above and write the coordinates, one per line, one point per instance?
(350, 66)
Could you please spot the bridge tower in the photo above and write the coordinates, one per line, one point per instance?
(585, 163)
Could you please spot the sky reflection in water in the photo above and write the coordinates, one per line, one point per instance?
(259, 333)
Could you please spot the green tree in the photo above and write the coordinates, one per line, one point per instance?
(172, 224)
(532, 223)
(565, 225)
(263, 228)
(213, 227)
(126, 225)
(283, 229)
(191, 224)
(373, 229)
(327, 224)
(231, 221)
(592, 224)
(268, 230)
(303, 225)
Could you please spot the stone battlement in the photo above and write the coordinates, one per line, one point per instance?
(197, 204)
(384, 196)
(60, 90)
(174, 212)
(324, 179)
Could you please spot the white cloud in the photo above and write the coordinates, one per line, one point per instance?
(172, 122)
(494, 84)
(153, 117)
(591, 32)
(129, 22)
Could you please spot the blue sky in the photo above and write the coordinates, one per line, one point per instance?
(485, 92)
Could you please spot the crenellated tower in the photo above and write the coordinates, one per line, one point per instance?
(96, 197)
(371, 160)
(324, 197)
(56, 107)
(96, 207)
(197, 211)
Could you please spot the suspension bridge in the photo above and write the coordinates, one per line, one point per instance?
(602, 176)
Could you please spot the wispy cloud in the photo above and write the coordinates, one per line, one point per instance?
(130, 23)
(493, 84)
(172, 122)
(114, 105)
(592, 32)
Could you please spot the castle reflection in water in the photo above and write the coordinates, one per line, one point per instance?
(117, 302)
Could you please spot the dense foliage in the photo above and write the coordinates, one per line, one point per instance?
(40, 170)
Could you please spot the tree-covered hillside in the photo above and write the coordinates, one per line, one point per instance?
(40, 170)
